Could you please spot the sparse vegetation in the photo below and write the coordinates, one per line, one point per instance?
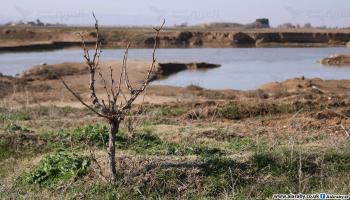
(206, 168)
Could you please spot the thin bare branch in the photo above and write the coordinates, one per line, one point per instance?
(112, 87)
(86, 51)
(99, 170)
(126, 77)
(135, 93)
(98, 42)
(122, 93)
(120, 81)
(81, 101)
(106, 89)
(93, 64)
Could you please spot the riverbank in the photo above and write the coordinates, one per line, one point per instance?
(40, 85)
(49, 38)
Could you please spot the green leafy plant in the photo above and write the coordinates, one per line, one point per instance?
(57, 168)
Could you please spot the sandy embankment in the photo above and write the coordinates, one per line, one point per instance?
(39, 38)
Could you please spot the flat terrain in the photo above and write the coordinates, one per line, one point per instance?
(177, 143)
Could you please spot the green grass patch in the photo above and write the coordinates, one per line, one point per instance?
(6, 150)
(10, 115)
(244, 144)
(93, 134)
(148, 144)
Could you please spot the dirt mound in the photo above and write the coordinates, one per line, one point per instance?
(288, 85)
(338, 59)
(51, 72)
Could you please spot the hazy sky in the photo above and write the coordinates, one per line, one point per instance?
(150, 12)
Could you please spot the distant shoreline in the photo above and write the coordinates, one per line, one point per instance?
(17, 39)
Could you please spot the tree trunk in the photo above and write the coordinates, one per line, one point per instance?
(114, 126)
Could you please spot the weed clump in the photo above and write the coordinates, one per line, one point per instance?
(13, 128)
(55, 169)
(231, 112)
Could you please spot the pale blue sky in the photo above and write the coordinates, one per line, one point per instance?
(149, 12)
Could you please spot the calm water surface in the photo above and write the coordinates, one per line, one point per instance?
(242, 68)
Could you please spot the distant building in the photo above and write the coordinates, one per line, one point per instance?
(37, 22)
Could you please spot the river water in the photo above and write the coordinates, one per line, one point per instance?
(242, 68)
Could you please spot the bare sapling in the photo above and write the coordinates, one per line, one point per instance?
(118, 103)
